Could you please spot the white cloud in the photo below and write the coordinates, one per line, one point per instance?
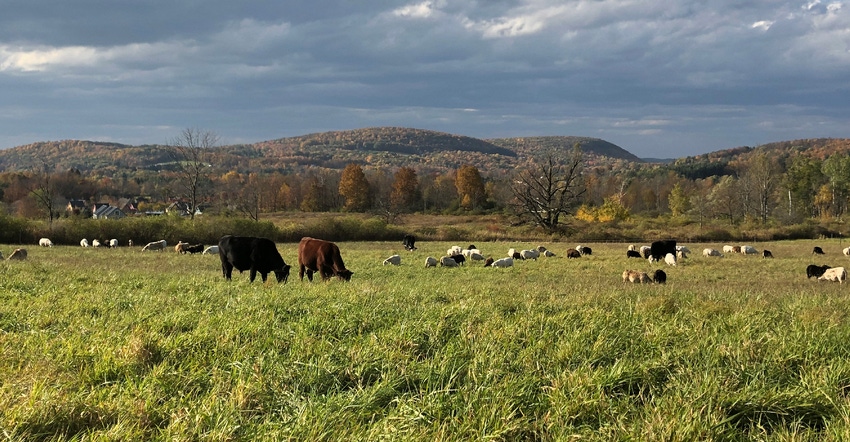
(43, 58)
(762, 25)
(524, 21)
(424, 9)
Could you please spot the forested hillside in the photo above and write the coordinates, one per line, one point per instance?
(394, 171)
(371, 147)
(537, 147)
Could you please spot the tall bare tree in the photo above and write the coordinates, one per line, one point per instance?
(191, 152)
(43, 190)
(548, 191)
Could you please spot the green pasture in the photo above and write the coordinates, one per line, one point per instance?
(123, 345)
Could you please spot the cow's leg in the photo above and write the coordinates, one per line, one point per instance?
(227, 270)
(301, 268)
(309, 275)
(264, 275)
(253, 274)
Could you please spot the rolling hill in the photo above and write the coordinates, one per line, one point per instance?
(383, 147)
(373, 147)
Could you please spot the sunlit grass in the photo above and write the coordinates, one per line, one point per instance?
(125, 345)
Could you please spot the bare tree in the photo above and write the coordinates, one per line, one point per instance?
(546, 192)
(252, 197)
(191, 154)
(43, 190)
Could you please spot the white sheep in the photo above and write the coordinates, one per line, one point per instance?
(468, 252)
(84, 242)
(95, 243)
(632, 248)
(644, 251)
(834, 274)
(475, 256)
(155, 245)
(113, 243)
(711, 252)
(748, 250)
(454, 250)
(846, 251)
(670, 259)
(448, 261)
(548, 253)
(503, 262)
(431, 262)
(394, 260)
(728, 249)
(529, 254)
(45, 242)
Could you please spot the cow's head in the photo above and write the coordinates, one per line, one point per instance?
(345, 275)
(282, 274)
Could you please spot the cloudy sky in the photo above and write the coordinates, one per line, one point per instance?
(660, 78)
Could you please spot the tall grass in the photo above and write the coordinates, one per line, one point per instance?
(119, 344)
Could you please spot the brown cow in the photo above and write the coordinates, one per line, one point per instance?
(316, 255)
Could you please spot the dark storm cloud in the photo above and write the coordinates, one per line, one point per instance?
(663, 78)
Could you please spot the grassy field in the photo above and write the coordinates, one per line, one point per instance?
(100, 344)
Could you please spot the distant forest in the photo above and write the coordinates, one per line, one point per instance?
(399, 170)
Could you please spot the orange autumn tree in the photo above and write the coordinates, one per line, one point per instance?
(405, 196)
(470, 187)
(354, 187)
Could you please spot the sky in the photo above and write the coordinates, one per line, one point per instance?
(660, 78)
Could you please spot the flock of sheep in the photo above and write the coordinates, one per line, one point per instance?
(181, 247)
(456, 256)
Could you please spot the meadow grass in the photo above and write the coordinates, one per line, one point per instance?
(119, 344)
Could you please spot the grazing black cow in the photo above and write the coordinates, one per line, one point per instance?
(259, 255)
(816, 271)
(488, 262)
(459, 259)
(659, 277)
(660, 249)
(573, 253)
(632, 254)
(409, 242)
(817, 251)
(585, 250)
(316, 255)
(766, 254)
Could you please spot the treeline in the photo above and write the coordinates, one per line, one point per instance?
(767, 186)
